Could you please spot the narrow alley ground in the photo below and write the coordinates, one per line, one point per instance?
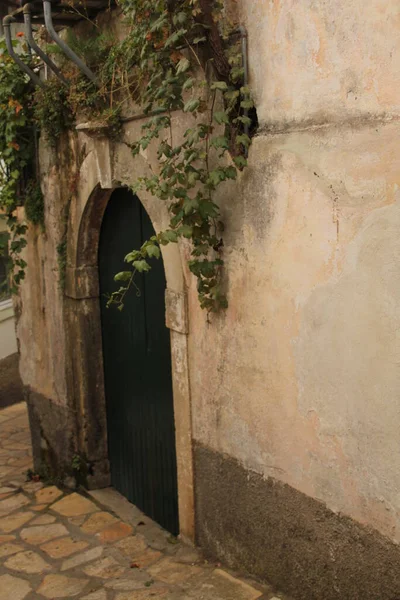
(55, 544)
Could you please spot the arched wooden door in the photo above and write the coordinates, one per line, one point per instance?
(137, 369)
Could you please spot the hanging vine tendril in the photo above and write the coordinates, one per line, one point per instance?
(174, 59)
(178, 47)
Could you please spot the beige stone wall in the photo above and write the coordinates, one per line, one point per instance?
(39, 308)
(300, 379)
(322, 61)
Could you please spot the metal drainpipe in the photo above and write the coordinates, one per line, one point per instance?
(245, 57)
(7, 34)
(35, 47)
(64, 47)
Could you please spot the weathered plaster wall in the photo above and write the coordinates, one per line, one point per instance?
(40, 311)
(322, 61)
(40, 307)
(299, 380)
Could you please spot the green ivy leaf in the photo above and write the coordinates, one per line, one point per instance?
(216, 176)
(182, 66)
(220, 142)
(190, 205)
(247, 104)
(237, 73)
(243, 139)
(123, 276)
(207, 208)
(240, 161)
(221, 117)
(168, 236)
(141, 266)
(244, 120)
(186, 231)
(180, 192)
(188, 84)
(175, 38)
(232, 95)
(201, 249)
(219, 85)
(159, 24)
(191, 105)
(192, 178)
(180, 18)
(230, 172)
(153, 251)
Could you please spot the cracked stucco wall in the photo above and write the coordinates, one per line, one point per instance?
(300, 379)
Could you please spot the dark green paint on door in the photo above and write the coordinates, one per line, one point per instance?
(137, 369)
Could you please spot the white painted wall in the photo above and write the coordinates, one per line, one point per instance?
(8, 340)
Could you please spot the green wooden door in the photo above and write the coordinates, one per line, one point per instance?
(137, 369)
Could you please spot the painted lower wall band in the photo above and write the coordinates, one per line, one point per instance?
(281, 535)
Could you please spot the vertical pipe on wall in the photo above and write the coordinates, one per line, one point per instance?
(245, 59)
(48, 19)
(36, 48)
(7, 33)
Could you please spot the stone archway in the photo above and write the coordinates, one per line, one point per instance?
(86, 362)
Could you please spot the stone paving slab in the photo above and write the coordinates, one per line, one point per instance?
(58, 544)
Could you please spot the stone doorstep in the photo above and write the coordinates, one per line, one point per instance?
(156, 537)
(116, 503)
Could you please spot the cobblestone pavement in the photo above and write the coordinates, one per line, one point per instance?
(67, 545)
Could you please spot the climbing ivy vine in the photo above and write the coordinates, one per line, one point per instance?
(16, 151)
(177, 58)
(175, 72)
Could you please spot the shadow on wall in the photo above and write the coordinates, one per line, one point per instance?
(10, 381)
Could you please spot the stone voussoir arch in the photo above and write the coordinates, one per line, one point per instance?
(98, 178)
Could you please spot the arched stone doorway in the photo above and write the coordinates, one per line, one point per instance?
(137, 368)
(86, 380)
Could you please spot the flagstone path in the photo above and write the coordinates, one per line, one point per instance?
(57, 544)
